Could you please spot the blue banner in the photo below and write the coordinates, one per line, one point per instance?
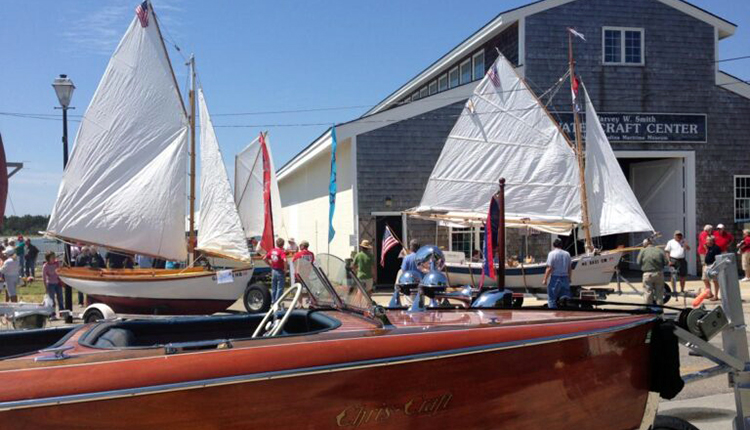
(332, 186)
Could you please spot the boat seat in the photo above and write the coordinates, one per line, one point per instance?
(157, 332)
(115, 338)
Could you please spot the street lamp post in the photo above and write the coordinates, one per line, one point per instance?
(64, 89)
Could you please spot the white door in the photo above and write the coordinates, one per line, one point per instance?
(659, 187)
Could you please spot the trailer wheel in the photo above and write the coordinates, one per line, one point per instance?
(665, 422)
(92, 315)
(257, 299)
(667, 293)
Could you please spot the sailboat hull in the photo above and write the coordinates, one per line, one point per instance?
(176, 292)
(588, 270)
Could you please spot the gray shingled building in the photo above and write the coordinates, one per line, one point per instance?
(678, 125)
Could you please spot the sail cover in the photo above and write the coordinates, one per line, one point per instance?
(220, 231)
(613, 208)
(504, 131)
(124, 186)
(248, 191)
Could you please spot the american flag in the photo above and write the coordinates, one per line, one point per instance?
(494, 78)
(142, 13)
(389, 242)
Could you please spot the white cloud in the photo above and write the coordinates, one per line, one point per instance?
(99, 30)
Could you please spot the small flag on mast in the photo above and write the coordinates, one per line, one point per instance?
(576, 34)
(389, 242)
(142, 13)
(574, 93)
(494, 78)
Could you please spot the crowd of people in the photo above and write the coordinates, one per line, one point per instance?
(17, 264)
(711, 243)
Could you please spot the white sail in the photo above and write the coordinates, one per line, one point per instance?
(504, 131)
(248, 191)
(124, 186)
(613, 208)
(220, 232)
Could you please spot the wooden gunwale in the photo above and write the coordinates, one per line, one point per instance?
(138, 275)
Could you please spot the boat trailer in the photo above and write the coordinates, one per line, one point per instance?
(697, 326)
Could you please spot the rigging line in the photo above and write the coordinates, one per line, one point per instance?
(12, 207)
(434, 97)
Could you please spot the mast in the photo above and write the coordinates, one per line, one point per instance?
(579, 151)
(191, 198)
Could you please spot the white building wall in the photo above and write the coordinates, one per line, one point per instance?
(304, 201)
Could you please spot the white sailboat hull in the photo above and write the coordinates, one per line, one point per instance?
(144, 293)
(588, 270)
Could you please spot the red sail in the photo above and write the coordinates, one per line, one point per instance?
(3, 181)
(266, 242)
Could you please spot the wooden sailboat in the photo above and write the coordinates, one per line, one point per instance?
(124, 187)
(553, 185)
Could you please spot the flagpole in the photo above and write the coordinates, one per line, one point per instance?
(579, 149)
(501, 235)
(191, 240)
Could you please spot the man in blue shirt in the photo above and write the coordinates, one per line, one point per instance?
(558, 274)
(409, 262)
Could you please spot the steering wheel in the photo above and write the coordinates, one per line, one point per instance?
(272, 328)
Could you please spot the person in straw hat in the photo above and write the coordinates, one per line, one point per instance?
(363, 266)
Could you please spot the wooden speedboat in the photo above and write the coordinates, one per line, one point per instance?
(340, 363)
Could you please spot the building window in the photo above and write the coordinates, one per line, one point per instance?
(742, 198)
(466, 71)
(423, 93)
(415, 96)
(443, 83)
(478, 60)
(623, 46)
(432, 89)
(461, 240)
(453, 78)
(467, 239)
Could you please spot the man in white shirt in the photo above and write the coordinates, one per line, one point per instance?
(10, 270)
(676, 250)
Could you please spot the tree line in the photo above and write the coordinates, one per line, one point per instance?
(26, 225)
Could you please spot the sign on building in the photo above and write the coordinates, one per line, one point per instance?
(645, 127)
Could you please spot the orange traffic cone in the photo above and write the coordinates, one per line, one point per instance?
(701, 297)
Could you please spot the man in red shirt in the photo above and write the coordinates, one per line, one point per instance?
(276, 260)
(708, 230)
(744, 248)
(723, 238)
(304, 253)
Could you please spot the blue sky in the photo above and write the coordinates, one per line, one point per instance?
(252, 56)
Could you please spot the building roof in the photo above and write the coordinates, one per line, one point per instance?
(507, 18)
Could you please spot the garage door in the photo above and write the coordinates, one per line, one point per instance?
(659, 187)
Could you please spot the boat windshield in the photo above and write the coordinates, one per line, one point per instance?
(347, 286)
(331, 283)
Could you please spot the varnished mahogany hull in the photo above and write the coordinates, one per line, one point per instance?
(585, 381)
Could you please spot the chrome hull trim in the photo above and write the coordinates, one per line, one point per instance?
(341, 367)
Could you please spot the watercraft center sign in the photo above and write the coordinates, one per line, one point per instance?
(651, 127)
